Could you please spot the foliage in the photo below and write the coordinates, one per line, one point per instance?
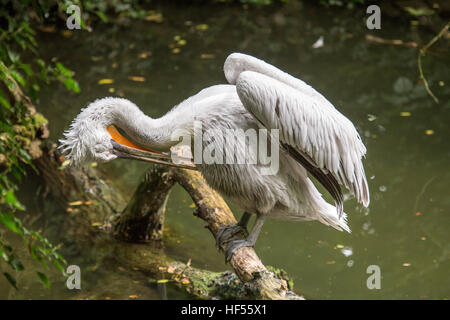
(18, 126)
(350, 4)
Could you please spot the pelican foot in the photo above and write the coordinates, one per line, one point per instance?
(226, 233)
(235, 244)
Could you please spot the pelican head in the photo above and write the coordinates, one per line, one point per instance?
(88, 139)
(94, 136)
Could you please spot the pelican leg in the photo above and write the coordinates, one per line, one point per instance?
(250, 241)
(227, 232)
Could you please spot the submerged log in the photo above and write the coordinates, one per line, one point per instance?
(143, 218)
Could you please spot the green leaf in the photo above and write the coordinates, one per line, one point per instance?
(18, 77)
(11, 199)
(5, 102)
(59, 266)
(72, 85)
(14, 57)
(102, 16)
(8, 222)
(64, 71)
(26, 68)
(16, 264)
(10, 279)
(417, 12)
(43, 279)
(4, 255)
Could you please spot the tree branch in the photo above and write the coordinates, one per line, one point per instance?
(214, 211)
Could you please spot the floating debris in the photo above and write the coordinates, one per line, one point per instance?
(154, 16)
(105, 81)
(75, 203)
(67, 33)
(136, 79)
(144, 55)
(202, 27)
(319, 43)
(347, 251)
(207, 56)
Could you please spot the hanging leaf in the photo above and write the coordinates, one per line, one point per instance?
(43, 279)
(11, 279)
(16, 264)
(7, 221)
(102, 16)
(11, 199)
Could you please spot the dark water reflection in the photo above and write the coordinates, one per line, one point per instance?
(405, 229)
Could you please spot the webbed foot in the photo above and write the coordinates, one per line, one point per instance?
(226, 233)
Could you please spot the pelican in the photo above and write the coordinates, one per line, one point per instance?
(315, 140)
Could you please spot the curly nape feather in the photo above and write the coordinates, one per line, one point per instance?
(87, 138)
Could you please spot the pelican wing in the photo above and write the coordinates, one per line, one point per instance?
(312, 131)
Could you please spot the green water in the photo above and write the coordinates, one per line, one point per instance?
(405, 229)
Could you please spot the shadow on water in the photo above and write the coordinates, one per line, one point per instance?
(405, 229)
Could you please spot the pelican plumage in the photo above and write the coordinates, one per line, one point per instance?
(314, 138)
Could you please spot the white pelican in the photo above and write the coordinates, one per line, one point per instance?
(314, 138)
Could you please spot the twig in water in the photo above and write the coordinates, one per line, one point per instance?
(422, 52)
(422, 191)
